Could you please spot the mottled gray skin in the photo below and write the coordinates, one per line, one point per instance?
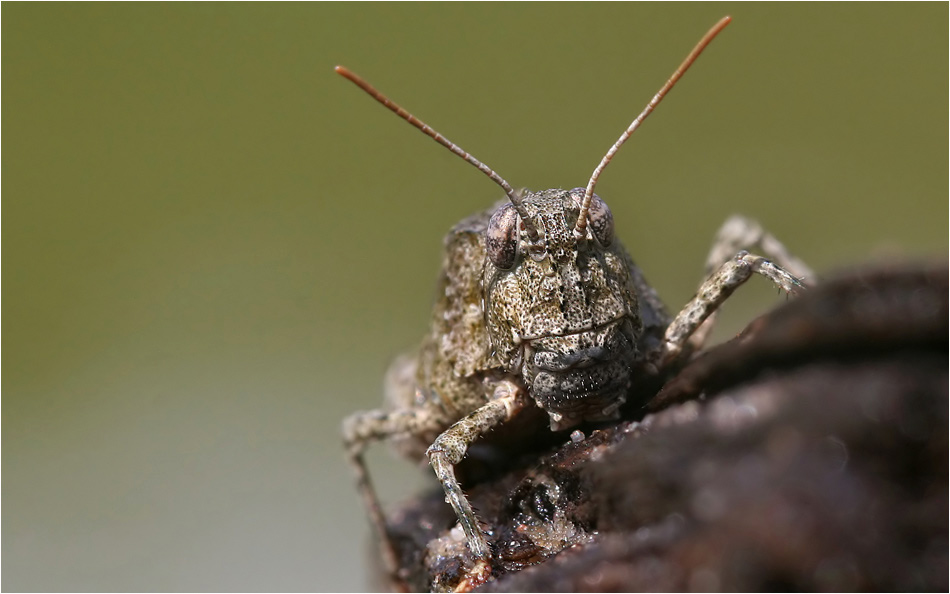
(565, 324)
(539, 309)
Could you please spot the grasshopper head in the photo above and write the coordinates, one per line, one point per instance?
(561, 309)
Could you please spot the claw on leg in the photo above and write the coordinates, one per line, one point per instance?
(740, 234)
(475, 577)
(728, 266)
(718, 287)
(449, 449)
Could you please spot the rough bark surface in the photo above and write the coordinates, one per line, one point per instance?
(809, 453)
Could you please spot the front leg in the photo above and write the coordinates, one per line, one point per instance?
(728, 266)
(736, 235)
(739, 234)
(449, 449)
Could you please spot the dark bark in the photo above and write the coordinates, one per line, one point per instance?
(809, 453)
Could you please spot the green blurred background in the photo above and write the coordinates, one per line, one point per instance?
(213, 245)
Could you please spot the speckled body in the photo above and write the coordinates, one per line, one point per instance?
(540, 307)
(563, 323)
(569, 323)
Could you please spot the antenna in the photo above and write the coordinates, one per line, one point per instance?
(581, 228)
(428, 131)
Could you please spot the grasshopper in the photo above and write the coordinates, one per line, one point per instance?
(540, 306)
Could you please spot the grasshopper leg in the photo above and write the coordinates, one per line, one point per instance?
(728, 266)
(449, 449)
(359, 430)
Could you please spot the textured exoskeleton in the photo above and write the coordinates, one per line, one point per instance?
(540, 306)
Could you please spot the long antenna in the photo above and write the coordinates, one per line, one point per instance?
(428, 131)
(580, 229)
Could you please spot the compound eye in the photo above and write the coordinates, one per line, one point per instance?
(501, 237)
(598, 216)
(601, 221)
